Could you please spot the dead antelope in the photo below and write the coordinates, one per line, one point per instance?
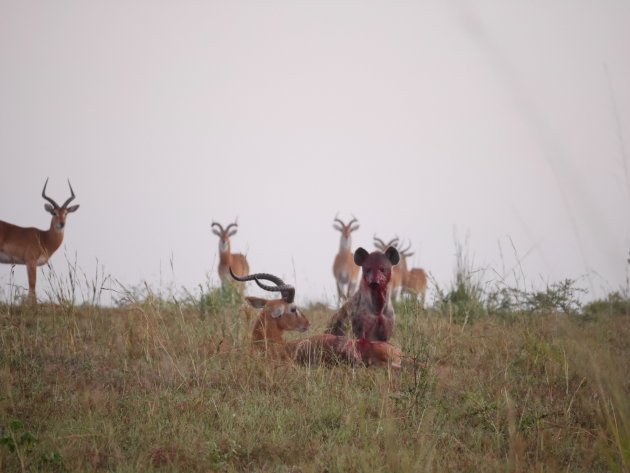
(397, 277)
(414, 279)
(369, 311)
(31, 246)
(345, 271)
(227, 259)
(280, 315)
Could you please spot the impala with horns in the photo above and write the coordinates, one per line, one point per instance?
(345, 271)
(31, 246)
(397, 278)
(281, 315)
(227, 259)
(414, 280)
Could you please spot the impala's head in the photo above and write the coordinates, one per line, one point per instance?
(405, 252)
(59, 213)
(346, 230)
(382, 246)
(224, 234)
(283, 311)
(377, 266)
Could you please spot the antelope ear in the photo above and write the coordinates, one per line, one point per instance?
(232, 232)
(392, 255)
(256, 302)
(278, 311)
(359, 256)
(49, 208)
(72, 208)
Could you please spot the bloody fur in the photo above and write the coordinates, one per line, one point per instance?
(369, 311)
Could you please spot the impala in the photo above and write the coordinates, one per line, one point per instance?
(281, 315)
(345, 271)
(414, 279)
(31, 246)
(227, 259)
(397, 277)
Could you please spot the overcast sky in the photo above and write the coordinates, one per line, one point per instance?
(508, 121)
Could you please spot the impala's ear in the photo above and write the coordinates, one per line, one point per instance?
(278, 312)
(256, 302)
(359, 256)
(232, 232)
(72, 208)
(50, 209)
(216, 232)
(392, 255)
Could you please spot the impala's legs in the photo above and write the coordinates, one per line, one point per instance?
(339, 290)
(31, 270)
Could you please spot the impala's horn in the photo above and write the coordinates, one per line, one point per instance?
(286, 290)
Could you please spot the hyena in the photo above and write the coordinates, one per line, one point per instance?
(369, 311)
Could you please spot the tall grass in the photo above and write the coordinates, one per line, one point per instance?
(168, 382)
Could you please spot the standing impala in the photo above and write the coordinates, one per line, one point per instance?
(345, 271)
(31, 246)
(414, 279)
(227, 259)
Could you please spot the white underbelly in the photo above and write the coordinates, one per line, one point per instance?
(7, 259)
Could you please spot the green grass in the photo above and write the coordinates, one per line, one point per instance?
(160, 385)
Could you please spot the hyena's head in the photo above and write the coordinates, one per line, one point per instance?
(377, 266)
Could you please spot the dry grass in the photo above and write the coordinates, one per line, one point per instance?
(156, 386)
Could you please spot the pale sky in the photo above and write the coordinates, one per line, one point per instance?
(508, 121)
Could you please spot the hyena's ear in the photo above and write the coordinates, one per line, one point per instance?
(392, 255)
(359, 256)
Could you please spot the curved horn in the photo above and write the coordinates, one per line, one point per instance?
(71, 198)
(393, 242)
(339, 222)
(230, 226)
(378, 242)
(352, 221)
(54, 204)
(217, 225)
(251, 277)
(287, 291)
(405, 251)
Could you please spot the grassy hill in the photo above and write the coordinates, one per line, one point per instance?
(158, 385)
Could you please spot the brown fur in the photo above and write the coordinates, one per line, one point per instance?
(415, 283)
(31, 246)
(267, 337)
(345, 271)
(369, 311)
(227, 259)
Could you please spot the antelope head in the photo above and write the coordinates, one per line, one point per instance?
(283, 312)
(224, 235)
(346, 231)
(382, 246)
(406, 252)
(59, 213)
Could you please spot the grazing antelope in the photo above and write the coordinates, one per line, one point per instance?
(227, 259)
(280, 315)
(31, 246)
(345, 271)
(369, 311)
(397, 277)
(414, 279)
